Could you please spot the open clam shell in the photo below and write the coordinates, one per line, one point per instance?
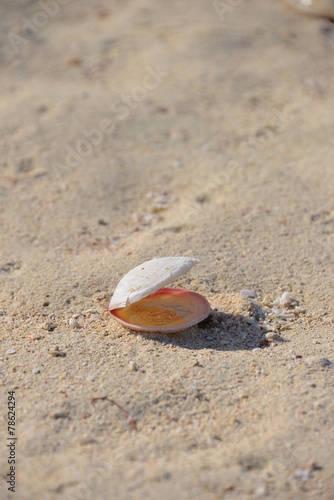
(142, 303)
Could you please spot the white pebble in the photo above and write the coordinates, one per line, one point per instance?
(73, 323)
(303, 474)
(11, 351)
(93, 318)
(285, 299)
(287, 316)
(261, 491)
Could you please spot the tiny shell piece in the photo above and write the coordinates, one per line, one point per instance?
(147, 278)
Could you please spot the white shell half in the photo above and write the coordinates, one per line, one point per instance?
(148, 278)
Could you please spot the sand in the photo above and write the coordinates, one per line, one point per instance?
(136, 129)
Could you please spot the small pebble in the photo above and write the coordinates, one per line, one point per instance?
(267, 301)
(73, 323)
(57, 353)
(35, 336)
(11, 351)
(93, 318)
(132, 367)
(61, 414)
(272, 337)
(36, 370)
(91, 311)
(49, 326)
(250, 320)
(317, 360)
(102, 222)
(281, 314)
(250, 294)
(85, 441)
(285, 299)
(261, 490)
(303, 474)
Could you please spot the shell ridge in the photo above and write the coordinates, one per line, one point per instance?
(149, 277)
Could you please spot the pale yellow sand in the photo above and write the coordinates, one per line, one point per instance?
(222, 149)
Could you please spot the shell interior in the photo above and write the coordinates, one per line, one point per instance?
(147, 278)
(168, 310)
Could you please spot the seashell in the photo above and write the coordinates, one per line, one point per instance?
(141, 302)
(322, 8)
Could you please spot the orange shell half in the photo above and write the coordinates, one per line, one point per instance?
(168, 310)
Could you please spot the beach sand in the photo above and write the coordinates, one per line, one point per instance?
(137, 129)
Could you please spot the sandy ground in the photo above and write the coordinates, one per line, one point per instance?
(135, 129)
